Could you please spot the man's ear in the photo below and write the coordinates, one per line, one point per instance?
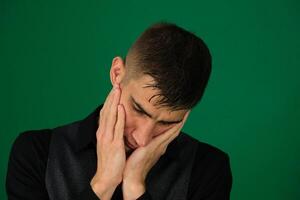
(117, 70)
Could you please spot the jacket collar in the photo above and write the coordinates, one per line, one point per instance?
(87, 130)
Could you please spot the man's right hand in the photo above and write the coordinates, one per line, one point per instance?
(111, 156)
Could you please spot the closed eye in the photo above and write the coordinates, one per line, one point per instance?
(166, 123)
(138, 111)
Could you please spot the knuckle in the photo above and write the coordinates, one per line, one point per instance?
(162, 148)
(99, 134)
(105, 139)
(118, 143)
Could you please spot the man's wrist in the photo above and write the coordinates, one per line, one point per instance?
(102, 190)
(132, 191)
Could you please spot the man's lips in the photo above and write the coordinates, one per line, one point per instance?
(129, 145)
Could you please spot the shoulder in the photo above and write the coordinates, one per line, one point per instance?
(211, 171)
(207, 158)
(206, 152)
(31, 145)
(211, 153)
(37, 138)
(27, 165)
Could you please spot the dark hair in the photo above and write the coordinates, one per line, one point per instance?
(177, 60)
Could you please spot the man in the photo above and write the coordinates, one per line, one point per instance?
(132, 146)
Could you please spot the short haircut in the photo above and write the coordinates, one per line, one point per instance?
(177, 60)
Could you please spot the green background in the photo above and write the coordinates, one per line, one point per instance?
(55, 58)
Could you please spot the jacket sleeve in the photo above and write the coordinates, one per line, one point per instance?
(214, 181)
(145, 196)
(25, 177)
(25, 173)
(87, 194)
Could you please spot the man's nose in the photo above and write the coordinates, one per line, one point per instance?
(143, 133)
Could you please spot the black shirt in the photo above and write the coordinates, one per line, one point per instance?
(211, 177)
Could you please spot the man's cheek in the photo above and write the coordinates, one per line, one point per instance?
(161, 130)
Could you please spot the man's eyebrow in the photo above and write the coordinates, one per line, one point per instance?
(141, 109)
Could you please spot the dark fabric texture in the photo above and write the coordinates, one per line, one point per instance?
(59, 163)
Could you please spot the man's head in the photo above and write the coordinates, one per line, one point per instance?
(164, 75)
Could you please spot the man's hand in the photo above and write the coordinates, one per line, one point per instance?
(111, 155)
(143, 159)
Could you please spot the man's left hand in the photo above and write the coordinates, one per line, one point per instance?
(143, 159)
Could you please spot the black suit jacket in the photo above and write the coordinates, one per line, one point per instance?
(59, 163)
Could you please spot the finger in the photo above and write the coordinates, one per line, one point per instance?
(186, 116)
(112, 115)
(115, 87)
(164, 136)
(104, 112)
(163, 144)
(120, 124)
(172, 133)
(108, 100)
(177, 131)
(171, 138)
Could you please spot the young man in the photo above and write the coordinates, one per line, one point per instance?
(132, 146)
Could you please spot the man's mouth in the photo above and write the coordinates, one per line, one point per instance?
(129, 145)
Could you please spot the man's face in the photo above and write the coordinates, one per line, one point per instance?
(144, 121)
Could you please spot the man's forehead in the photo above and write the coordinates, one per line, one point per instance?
(142, 87)
(163, 113)
(148, 96)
